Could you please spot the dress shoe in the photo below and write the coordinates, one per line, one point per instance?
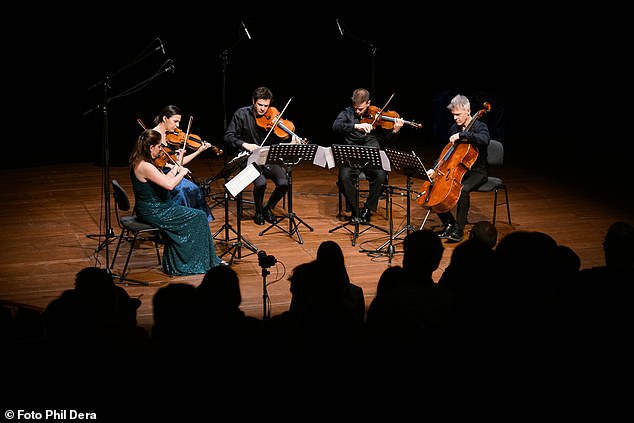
(448, 230)
(269, 216)
(455, 236)
(364, 214)
(259, 219)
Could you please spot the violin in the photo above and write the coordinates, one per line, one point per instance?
(385, 120)
(283, 128)
(176, 140)
(166, 156)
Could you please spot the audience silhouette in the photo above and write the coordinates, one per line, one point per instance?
(227, 331)
(517, 307)
(176, 328)
(319, 319)
(330, 254)
(410, 317)
(600, 308)
(96, 317)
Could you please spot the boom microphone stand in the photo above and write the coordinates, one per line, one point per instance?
(166, 67)
(105, 175)
(224, 60)
(109, 232)
(343, 30)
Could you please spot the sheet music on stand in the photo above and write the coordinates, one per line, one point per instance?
(233, 165)
(359, 157)
(291, 154)
(258, 155)
(408, 164)
(243, 179)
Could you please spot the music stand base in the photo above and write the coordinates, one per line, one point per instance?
(293, 225)
(356, 222)
(236, 249)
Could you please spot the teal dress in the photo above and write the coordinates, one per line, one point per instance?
(189, 244)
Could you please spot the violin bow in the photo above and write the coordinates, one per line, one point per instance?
(276, 121)
(383, 108)
(189, 125)
(140, 122)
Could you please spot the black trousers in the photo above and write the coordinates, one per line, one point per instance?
(277, 174)
(376, 178)
(470, 181)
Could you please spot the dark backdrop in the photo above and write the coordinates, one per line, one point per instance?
(558, 85)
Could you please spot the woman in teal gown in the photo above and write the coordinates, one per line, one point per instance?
(189, 245)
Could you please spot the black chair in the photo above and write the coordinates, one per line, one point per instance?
(132, 229)
(495, 157)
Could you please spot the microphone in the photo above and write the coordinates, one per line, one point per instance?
(170, 67)
(160, 47)
(245, 29)
(339, 26)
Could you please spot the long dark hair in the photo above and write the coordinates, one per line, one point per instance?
(141, 150)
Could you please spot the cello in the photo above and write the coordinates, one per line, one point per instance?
(442, 193)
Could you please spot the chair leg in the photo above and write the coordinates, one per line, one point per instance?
(340, 201)
(508, 207)
(125, 267)
(158, 254)
(495, 204)
(116, 250)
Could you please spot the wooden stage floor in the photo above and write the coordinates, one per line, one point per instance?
(49, 211)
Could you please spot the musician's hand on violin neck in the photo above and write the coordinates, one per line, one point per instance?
(298, 140)
(398, 124)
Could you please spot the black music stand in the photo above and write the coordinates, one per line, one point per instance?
(356, 157)
(229, 167)
(290, 155)
(239, 241)
(410, 165)
(225, 173)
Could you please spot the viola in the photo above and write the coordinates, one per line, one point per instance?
(281, 127)
(385, 120)
(176, 140)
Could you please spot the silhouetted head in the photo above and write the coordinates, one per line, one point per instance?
(221, 286)
(618, 246)
(486, 232)
(422, 252)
